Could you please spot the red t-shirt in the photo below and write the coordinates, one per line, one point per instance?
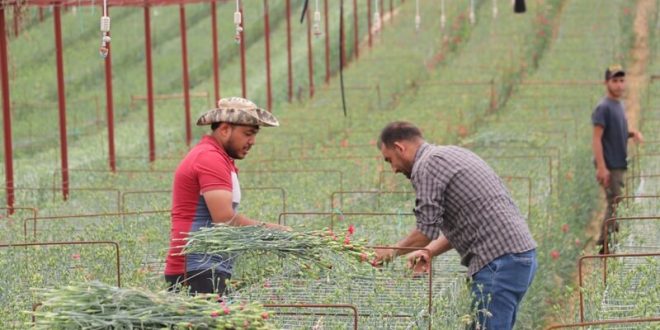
(206, 167)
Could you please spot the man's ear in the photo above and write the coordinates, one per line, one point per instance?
(399, 146)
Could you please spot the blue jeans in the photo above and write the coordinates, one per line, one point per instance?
(500, 286)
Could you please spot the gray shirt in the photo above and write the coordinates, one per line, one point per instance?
(460, 196)
(610, 115)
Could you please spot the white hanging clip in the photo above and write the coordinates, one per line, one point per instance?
(473, 19)
(443, 19)
(376, 17)
(418, 19)
(317, 21)
(105, 29)
(238, 21)
(494, 8)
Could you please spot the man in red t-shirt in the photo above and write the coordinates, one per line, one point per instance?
(206, 191)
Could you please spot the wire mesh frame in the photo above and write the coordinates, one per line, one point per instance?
(612, 221)
(353, 310)
(55, 190)
(81, 216)
(398, 316)
(163, 191)
(604, 322)
(628, 198)
(630, 180)
(604, 257)
(639, 157)
(303, 151)
(112, 243)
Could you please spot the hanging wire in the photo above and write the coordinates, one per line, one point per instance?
(238, 21)
(443, 19)
(473, 18)
(105, 29)
(304, 11)
(317, 20)
(341, 58)
(494, 8)
(418, 19)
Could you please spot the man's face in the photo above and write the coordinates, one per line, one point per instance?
(239, 139)
(395, 157)
(616, 86)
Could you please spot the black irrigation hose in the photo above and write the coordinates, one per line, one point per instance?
(304, 11)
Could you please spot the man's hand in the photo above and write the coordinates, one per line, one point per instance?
(603, 176)
(419, 261)
(384, 255)
(637, 136)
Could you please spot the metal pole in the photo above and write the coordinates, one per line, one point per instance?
(150, 84)
(109, 109)
(327, 42)
(356, 35)
(6, 113)
(186, 83)
(310, 56)
(269, 94)
(61, 100)
(369, 21)
(216, 62)
(243, 76)
(288, 49)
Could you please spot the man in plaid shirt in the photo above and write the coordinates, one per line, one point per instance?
(462, 204)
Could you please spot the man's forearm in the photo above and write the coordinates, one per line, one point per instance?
(414, 239)
(597, 148)
(439, 246)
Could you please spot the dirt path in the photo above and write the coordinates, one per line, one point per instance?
(636, 75)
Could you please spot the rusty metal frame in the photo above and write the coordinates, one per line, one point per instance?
(604, 257)
(281, 218)
(378, 193)
(638, 159)
(137, 192)
(172, 96)
(627, 198)
(81, 216)
(303, 151)
(603, 322)
(10, 210)
(113, 243)
(55, 190)
(318, 306)
(340, 173)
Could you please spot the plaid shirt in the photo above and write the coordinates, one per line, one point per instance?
(458, 194)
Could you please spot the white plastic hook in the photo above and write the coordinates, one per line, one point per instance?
(418, 19)
(238, 20)
(494, 8)
(317, 21)
(473, 18)
(105, 29)
(376, 17)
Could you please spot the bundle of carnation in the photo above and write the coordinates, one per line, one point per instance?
(96, 305)
(321, 248)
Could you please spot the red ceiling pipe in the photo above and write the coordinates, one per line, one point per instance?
(216, 62)
(327, 42)
(288, 49)
(243, 75)
(109, 110)
(269, 94)
(186, 81)
(150, 84)
(61, 101)
(356, 36)
(6, 114)
(369, 22)
(310, 55)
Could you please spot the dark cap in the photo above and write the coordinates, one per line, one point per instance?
(615, 70)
